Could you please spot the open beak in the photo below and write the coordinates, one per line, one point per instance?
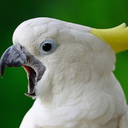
(17, 56)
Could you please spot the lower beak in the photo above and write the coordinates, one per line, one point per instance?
(17, 56)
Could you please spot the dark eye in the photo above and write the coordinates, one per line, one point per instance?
(48, 46)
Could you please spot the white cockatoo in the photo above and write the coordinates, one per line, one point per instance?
(69, 70)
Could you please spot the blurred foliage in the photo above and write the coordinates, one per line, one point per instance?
(98, 14)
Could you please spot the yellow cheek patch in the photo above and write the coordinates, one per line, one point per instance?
(116, 37)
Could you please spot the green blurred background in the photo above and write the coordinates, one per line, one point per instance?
(94, 13)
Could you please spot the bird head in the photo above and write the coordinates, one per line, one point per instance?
(58, 55)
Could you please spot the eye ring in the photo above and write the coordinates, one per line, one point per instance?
(48, 46)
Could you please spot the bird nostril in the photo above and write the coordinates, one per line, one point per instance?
(21, 47)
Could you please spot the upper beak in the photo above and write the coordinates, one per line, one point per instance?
(17, 56)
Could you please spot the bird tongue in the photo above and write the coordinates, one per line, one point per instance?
(32, 81)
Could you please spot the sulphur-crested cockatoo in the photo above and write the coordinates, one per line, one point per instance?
(69, 70)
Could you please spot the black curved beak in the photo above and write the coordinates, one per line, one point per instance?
(12, 57)
(17, 56)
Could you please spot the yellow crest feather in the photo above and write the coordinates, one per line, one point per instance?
(116, 37)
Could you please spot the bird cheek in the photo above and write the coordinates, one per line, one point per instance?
(44, 86)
